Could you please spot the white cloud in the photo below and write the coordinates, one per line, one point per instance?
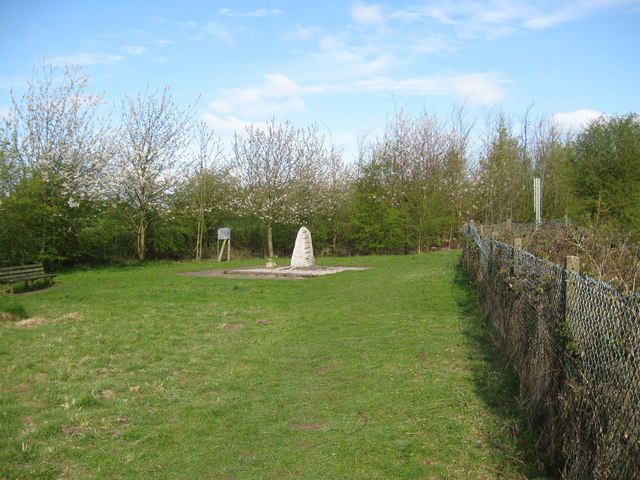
(5, 113)
(367, 14)
(479, 88)
(188, 25)
(548, 20)
(278, 94)
(226, 127)
(87, 59)
(246, 96)
(133, 50)
(331, 43)
(565, 12)
(304, 33)
(428, 44)
(221, 106)
(278, 85)
(263, 12)
(499, 18)
(219, 31)
(340, 61)
(268, 109)
(475, 88)
(230, 124)
(161, 43)
(257, 13)
(469, 20)
(576, 120)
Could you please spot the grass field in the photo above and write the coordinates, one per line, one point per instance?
(136, 373)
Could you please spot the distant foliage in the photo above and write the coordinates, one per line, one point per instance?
(504, 178)
(79, 187)
(410, 187)
(605, 170)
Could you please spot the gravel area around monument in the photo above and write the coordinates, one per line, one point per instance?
(282, 273)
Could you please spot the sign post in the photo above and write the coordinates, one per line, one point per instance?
(224, 234)
(537, 200)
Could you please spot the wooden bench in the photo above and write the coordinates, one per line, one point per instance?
(24, 273)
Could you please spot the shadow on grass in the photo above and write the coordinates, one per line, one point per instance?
(11, 309)
(497, 385)
(20, 288)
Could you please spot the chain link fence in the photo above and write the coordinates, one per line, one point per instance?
(575, 344)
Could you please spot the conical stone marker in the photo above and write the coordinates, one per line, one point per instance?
(303, 250)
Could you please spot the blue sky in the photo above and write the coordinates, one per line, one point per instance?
(347, 65)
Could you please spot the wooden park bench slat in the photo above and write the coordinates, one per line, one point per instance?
(24, 273)
(20, 270)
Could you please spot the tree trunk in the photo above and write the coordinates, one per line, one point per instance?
(270, 241)
(200, 235)
(45, 225)
(420, 228)
(142, 230)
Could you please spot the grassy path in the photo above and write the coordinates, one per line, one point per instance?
(135, 373)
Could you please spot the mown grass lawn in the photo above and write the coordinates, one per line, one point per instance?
(137, 373)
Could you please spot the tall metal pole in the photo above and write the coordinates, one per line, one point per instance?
(537, 200)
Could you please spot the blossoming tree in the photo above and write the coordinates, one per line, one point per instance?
(152, 156)
(64, 152)
(278, 170)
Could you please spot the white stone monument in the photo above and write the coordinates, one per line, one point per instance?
(303, 251)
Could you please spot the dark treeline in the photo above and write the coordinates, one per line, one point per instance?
(148, 181)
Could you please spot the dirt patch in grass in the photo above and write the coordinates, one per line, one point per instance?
(37, 321)
(306, 426)
(73, 430)
(248, 456)
(108, 394)
(24, 386)
(306, 444)
(30, 322)
(8, 317)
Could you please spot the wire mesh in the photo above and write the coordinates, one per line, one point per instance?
(575, 343)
